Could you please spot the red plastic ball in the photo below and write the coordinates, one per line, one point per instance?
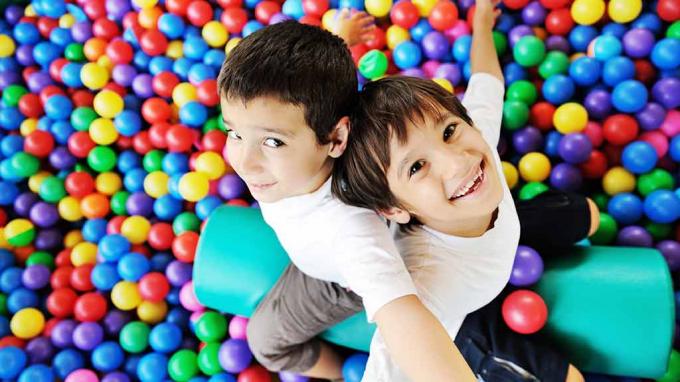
(184, 246)
(79, 184)
(315, 8)
(142, 143)
(234, 19)
(178, 7)
(105, 28)
(214, 140)
(644, 71)
(46, 25)
(82, 97)
(39, 143)
(119, 51)
(668, 10)
(161, 236)
(3, 217)
(559, 22)
(155, 110)
(238, 202)
(55, 68)
(358, 51)
(593, 131)
(31, 106)
(207, 93)
(12, 341)
(163, 83)
(94, 9)
(595, 167)
(153, 286)
(199, 12)
(620, 129)
(376, 39)
(254, 373)
(63, 258)
(90, 307)
(179, 138)
(515, 4)
(80, 278)
(405, 14)
(541, 115)
(157, 134)
(264, 10)
(525, 311)
(443, 15)
(554, 4)
(153, 42)
(60, 302)
(80, 144)
(230, 3)
(310, 20)
(114, 224)
(61, 277)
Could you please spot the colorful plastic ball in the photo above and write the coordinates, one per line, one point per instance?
(19, 232)
(618, 180)
(354, 367)
(405, 14)
(666, 91)
(527, 140)
(153, 287)
(125, 296)
(234, 355)
(407, 55)
(377, 8)
(443, 15)
(662, 206)
(639, 157)
(623, 11)
(13, 360)
(211, 327)
(634, 236)
(108, 103)
(37, 373)
(133, 266)
(527, 268)
(165, 337)
(515, 114)
(134, 337)
(534, 167)
(27, 323)
(90, 307)
(194, 186)
(152, 367)
(107, 356)
(620, 129)
(529, 51)
(606, 46)
(570, 117)
(587, 12)
(183, 365)
(664, 54)
(629, 96)
(94, 76)
(525, 311)
(618, 69)
(558, 89)
(625, 207)
(88, 335)
(82, 375)
(575, 148)
(135, 229)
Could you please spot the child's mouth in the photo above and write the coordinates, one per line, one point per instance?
(471, 186)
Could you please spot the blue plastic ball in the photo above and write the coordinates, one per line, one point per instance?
(66, 361)
(58, 107)
(171, 25)
(112, 247)
(94, 230)
(13, 361)
(606, 47)
(107, 356)
(665, 54)
(630, 96)
(673, 149)
(253, 26)
(193, 114)
(585, 71)
(639, 157)
(407, 55)
(104, 276)
(152, 367)
(662, 206)
(618, 69)
(128, 123)
(165, 337)
(421, 29)
(132, 266)
(354, 367)
(558, 89)
(461, 48)
(37, 373)
(626, 208)
(581, 36)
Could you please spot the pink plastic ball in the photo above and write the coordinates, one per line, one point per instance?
(237, 328)
(82, 375)
(657, 140)
(188, 299)
(671, 124)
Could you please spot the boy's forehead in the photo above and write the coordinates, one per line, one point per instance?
(264, 112)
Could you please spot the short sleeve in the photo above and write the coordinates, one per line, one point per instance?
(369, 261)
(483, 100)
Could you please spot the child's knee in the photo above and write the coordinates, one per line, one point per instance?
(574, 375)
(594, 216)
(261, 340)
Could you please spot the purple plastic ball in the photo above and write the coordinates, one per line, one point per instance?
(8, 77)
(139, 203)
(44, 214)
(40, 350)
(556, 42)
(35, 276)
(670, 249)
(24, 55)
(279, 18)
(516, 33)
(286, 376)
(141, 85)
(234, 355)
(534, 14)
(634, 236)
(414, 72)
(38, 81)
(449, 71)
(527, 140)
(651, 116)
(124, 74)
(598, 103)
(116, 9)
(566, 177)
(638, 42)
(575, 148)
(62, 333)
(666, 91)
(48, 239)
(114, 321)
(178, 273)
(231, 187)
(62, 159)
(527, 268)
(13, 14)
(24, 202)
(88, 335)
(81, 31)
(116, 376)
(435, 45)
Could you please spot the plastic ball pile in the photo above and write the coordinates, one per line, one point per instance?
(111, 142)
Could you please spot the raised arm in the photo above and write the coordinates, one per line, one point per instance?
(352, 27)
(419, 344)
(483, 56)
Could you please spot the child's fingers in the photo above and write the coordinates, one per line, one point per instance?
(496, 13)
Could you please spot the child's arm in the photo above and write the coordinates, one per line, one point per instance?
(483, 56)
(418, 343)
(353, 28)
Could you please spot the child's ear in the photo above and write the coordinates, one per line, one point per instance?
(396, 215)
(338, 137)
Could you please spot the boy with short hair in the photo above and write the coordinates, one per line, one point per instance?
(424, 160)
(286, 92)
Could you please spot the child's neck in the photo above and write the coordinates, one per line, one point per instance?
(473, 228)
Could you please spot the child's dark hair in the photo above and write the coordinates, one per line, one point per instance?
(298, 64)
(384, 109)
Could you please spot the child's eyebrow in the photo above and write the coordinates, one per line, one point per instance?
(274, 130)
(403, 163)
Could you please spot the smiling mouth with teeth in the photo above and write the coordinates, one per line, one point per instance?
(470, 186)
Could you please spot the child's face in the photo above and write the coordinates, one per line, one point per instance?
(271, 147)
(445, 174)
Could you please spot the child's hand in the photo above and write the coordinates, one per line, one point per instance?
(354, 28)
(485, 14)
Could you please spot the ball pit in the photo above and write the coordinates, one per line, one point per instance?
(110, 157)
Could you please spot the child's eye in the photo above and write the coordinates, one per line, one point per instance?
(449, 131)
(233, 135)
(415, 168)
(273, 142)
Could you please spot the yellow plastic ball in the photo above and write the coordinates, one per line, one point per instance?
(20, 232)
(443, 82)
(534, 167)
(623, 11)
(69, 209)
(94, 76)
(28, 126)
(135, 229)
(510, 173)
(66, 21)
(328, 19)
(395, 35)
(30, 11)
(125, 295)
(194, 186)
(212, 164)
(3, 240)
(144, 4)
(103, 131)
(215, 34)
(175, 49)
(7, 46)
(156, 184)
(587, 12)
(570, 117)
(108, 103)
(36, 180)
(618, 180)
(231, 44)
(84, 253)
(152, 312)
(27, 323)
(378, 8)
(183, 93)
(424, 6)
(72, 238)
(105, 62)
(108, 183)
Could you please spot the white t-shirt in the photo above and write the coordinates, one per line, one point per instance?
(329, 240)
(455, 276)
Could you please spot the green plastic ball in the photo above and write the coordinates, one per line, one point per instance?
(673, 31)
(529, 51)
(186, 221)
(208, 359)
(211, 124)
(183, 365)
(373, 64)
(3, 304)
(500, 42)
(555, 62)
(24, 164)
(659, 231)
(657, 179)
(118, 202)
(522, 90)
(515, 114)
(74, 52)
(211, 327)
(134, 337)
(82, 117)
(41, 257)
(673, 371)
(531, 190)
(12, 94)
(601, 200)
(101, 159)
(52, 189)
(153, 161)
(606, 232)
